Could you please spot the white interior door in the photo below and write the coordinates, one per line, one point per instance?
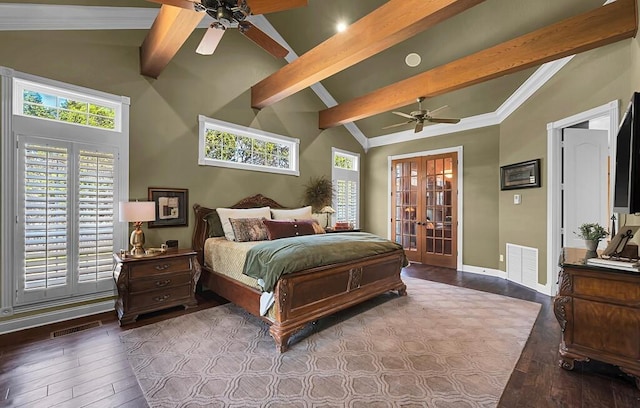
(585, 181)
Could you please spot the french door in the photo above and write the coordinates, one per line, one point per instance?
(424, 208)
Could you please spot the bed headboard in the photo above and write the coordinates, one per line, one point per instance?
(201, 230)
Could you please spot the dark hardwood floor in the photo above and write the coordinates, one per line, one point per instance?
(89, 368)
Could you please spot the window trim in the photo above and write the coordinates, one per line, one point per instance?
(10, 127)
(206, 123)
(357, 171)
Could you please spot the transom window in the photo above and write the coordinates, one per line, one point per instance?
(47, 102)
(228, 145)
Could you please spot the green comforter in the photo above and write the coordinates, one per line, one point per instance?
(270, 260)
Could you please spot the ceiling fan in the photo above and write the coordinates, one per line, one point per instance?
(232, 14)
(420, 116)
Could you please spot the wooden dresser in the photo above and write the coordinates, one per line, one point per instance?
(152, 283)
(599, 313)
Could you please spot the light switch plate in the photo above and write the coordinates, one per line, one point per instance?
(517, 198)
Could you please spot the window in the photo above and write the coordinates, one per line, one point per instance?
(70, 166)
(45, 102)
(228, 145)
(346, 178)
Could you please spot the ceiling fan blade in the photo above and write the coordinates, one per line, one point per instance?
(259, 37)
(419, 126)
(185, 4)
(443, 120)
(404, 115)
(210, 40)
(398, 124)
(271, 6)
(431, 112)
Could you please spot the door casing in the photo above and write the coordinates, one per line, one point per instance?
(554, 194)
(458, 150)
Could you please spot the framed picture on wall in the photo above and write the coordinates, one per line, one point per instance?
(520, 175)
(171, 207)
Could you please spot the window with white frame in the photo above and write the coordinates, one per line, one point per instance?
(70, 168)
(226, 144)
(346, 179)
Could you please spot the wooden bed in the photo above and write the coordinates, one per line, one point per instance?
(307, 295)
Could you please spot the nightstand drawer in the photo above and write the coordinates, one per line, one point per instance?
(156, 299)
(160, 266)
(160, 281)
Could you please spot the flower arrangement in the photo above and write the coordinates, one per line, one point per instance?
(591, 232)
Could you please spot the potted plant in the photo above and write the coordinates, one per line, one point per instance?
(318, 193)
(592, 233)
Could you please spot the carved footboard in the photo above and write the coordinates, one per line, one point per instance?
(307, 296)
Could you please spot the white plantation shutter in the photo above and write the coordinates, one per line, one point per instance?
(346, 178)
(45, 222)
(95, 215)
(66, 218)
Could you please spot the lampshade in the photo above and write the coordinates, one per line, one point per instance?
(327, 210)
(137, 211)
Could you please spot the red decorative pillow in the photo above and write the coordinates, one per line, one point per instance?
(283, 229)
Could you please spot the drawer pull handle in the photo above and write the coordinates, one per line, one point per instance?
(163, 283)
(161, 298)
(161, 267)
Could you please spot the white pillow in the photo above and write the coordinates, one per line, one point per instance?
(226, 213)
(303, 213)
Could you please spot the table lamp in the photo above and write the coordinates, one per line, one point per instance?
(327, 210)
(137, 212)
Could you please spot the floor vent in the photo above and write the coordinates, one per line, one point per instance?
(75, 329)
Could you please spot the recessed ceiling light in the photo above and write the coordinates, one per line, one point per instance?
(341, 26)
(413, 59)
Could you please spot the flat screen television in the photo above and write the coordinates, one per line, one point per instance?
(626, 190)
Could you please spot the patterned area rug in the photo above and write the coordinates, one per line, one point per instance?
(440, 346)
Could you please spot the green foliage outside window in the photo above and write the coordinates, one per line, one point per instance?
(67, 110)
(343, 162)
(228, 147)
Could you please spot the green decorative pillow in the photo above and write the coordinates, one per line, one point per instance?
(215, 225)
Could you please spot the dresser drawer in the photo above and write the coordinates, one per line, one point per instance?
(160, 266)
(160, 281)
(156, 299)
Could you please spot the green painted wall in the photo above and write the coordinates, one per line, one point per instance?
(480, 189)
(164, 112)
(591, 79)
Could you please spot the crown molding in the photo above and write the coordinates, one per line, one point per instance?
(531, 86)
(21, 17)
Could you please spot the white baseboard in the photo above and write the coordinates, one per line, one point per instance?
(28, 322)
(484, 271)
(544, 289)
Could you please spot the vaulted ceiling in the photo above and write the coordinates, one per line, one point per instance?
(474, 53)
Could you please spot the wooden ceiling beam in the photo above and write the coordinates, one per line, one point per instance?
(604, 25)
(169, 31)
(390, 24)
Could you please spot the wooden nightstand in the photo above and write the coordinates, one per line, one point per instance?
(157, 282)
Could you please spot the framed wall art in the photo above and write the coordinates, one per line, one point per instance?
(172, 206)
(520, 175)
